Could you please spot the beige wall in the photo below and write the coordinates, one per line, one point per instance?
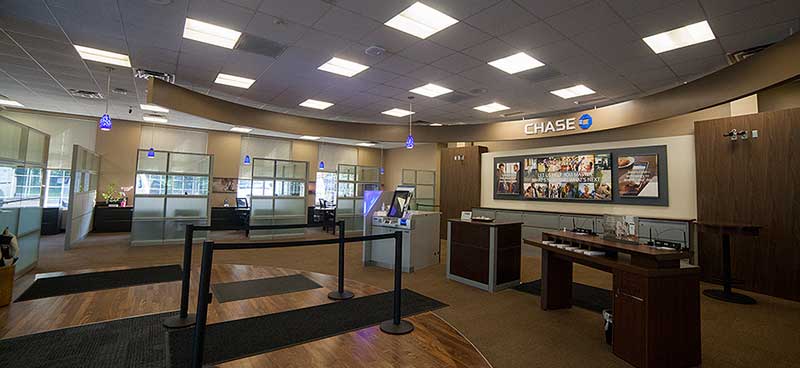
(117, 149)
(309, 152)
(226, 148)
(785, 96)
(422, 157)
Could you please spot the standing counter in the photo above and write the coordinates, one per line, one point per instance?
(485, 255)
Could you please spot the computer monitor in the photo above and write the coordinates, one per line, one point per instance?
(241, 202)
(400, 201)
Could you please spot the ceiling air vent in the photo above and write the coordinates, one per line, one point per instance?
(738, 56)
(85, 94)
(260, 46)
(454, 97)
(145, 74)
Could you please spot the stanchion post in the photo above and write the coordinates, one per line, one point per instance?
(340, 293)
(203, 299)
(184, 319)
(397, 326)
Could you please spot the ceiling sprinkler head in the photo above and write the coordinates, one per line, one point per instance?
(375, 51)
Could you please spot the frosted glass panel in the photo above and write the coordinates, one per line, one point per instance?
(142, 231)
(361, 187)
(291, 170)
(189, 164)
(263, 168)
(148, 207)
(28, 251)
(187, 207)
(262, 207)
(150, 184)
(35, 147)
(288, 207)
(426, 177)
(175, 140)
(188, 185)
(153, 164)
(345, 206)
(347, 172)
(176, 230)
(10, 137)
(30, 220)
(368, 174)
(409, 176)
(290, 188)
(424, 192)
(359, 206)
(261, 188)
(9, 218)
(347, 190)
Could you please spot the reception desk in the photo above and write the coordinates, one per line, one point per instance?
(656, 297)
(485, 255)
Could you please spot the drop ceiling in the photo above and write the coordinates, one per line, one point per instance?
(597, 43)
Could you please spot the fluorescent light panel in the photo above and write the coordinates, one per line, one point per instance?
(12, 103)
(365, 144)
(210, 34)
(316, 104)
(343, 67)
(516, 63)
(572, 92)
(421, 20)
(241, 130)
(309, 137)
(234, 81)
(154, 119)
(435, 124)
(102, 56)
(492, 107)
(680, 37)
(153, 108)
(397, 112)
(431, 90)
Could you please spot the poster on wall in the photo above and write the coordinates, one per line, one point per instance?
(571, 177)
(224, 185)
(507, 178)
(638, 176)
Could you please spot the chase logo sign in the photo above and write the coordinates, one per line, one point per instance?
(560, 125)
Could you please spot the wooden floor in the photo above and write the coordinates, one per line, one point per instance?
(434, 343)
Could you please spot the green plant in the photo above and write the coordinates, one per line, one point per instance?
(112, 194)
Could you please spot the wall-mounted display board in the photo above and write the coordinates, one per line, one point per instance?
(636, 175)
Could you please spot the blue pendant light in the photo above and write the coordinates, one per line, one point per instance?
(246, 160)
(105, 121)
(151, 153)
(410, 142)
(321, 165)
(410, 139)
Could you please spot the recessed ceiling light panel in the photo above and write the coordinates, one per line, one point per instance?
(154, 119)
(492, 107)
(153, 108)
(431, 90)
(343, 67)
(241, 130)
(365, 144)
(210, 34)
(309, 137)
(234, 81)
(12, 103)
(102, 56)
(316, 104)
(680, 37)
(516, 63)
(421, 20)
(397, 112)
(572, 92)
(435, 124)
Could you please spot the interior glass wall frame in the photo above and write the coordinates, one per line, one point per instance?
(353, 181)
(278, 195)
(172, 190)
(424, 183)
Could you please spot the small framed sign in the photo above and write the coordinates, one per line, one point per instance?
(466, 215)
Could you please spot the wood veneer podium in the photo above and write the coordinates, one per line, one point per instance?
(726, 230)
(656, 298)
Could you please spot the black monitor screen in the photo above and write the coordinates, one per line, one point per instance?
(399, 203)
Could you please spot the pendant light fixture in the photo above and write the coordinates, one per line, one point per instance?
(321, 163)
(105, 121)
(151, 153)
(381, 169)
(410, 139)
(247, 160)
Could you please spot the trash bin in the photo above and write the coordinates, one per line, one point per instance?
(6, 284)
(608, 318)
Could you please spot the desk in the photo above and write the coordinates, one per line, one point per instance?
(656, 298)
(326, 216)
(485, 255)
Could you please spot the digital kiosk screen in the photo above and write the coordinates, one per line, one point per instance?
(399, 203)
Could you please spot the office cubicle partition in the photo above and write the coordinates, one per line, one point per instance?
(82, 194)
(171, 191)
(353, 181)
(278, 195)
(424, 183)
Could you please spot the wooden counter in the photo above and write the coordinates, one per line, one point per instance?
(484, 254)
(656, 298)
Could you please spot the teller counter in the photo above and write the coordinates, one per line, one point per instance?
(485, 255)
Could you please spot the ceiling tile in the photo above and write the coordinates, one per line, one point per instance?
(220, 13)
(405, 83)
(532, 36)
(585, 17)
(716, 8)
(758, 37)
(389, 38)
(491, 50)
(380, 11)
(387, 91)
(457, 63)
(759, 16)
(461, 9)
(305, 12)
(245, 64)
(346, 24)
(501, 18)
(676, 15)
(398, 64)
(705, 49)
(429, 74)
(702, 65)
(558, 51)
(268, 27)
(460, 36)
(426, 52)
(632, 8)
(377, 75)
(546, 9)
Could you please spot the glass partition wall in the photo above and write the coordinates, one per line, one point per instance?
(171, 191)
(278, 195)
(424, 183)
(353, 181)
(83, 193)
(23, 159)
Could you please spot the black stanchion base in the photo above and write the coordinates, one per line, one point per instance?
(178, 322)
(336, 295)
(390, 328)
(729, 297)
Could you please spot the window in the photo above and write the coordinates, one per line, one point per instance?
(326, 187)
(28, 182)
(188, 185)
(57, 191)
(289, 188)
(244, 188)
(150, 184)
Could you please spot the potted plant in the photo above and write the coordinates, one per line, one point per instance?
(116, 197)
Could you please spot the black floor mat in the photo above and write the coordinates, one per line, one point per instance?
(131, 342)
(239, 290)
(93, 281)
(250, 336)
(584, 296)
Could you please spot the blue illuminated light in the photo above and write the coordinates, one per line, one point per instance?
(247, 160)
(381, 171)
(151, 153)
(410, 142)
(321, 165)
(105, 123)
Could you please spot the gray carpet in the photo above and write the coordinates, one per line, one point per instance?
(583, 296)
(125, 343)
(240, 290)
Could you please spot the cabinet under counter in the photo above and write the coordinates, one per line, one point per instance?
(485, 255)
